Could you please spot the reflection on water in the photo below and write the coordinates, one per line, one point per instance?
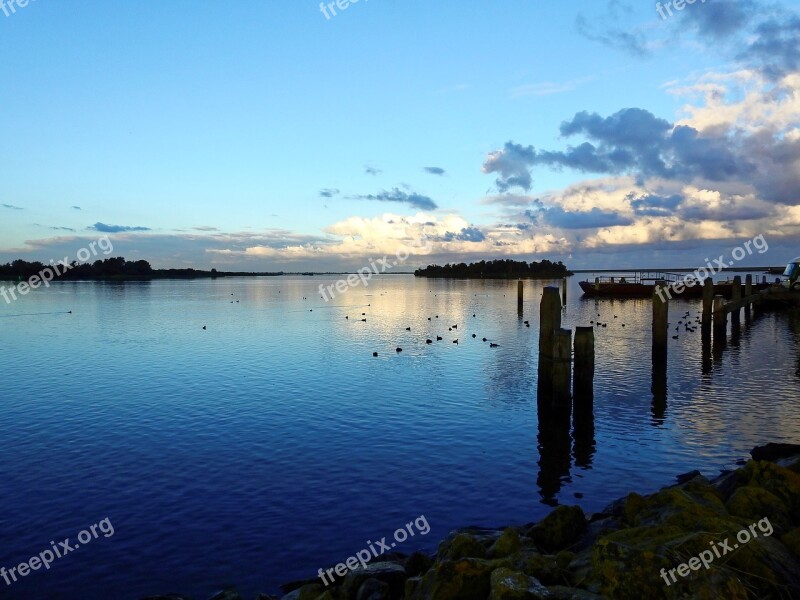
(273, 442)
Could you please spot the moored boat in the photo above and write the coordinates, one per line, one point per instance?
(642, 285)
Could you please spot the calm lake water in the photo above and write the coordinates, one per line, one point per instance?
(272, 443)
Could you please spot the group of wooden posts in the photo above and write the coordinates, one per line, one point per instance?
(559, 382)
(566, 368)
(714, 315)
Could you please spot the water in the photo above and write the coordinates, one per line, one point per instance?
(272, 443)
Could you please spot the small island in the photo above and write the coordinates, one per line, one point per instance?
(497, 269)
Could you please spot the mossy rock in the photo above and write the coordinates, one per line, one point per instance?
(792, 541)
(560, 528)
(462, 545)
(417, 564)
(781, 482)
(392, 574)
(311, 591)
(543, 567)
(507, 544)
(755, 503)
(513, 585)
(465, 579)
(560, 592)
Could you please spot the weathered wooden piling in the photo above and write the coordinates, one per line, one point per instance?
(583, 373)
(520, 294)
(549, 322)
(720, 321)
(748, 291)
(708, 301)
(564, 292)
(660, 317)
(736, 296)
(562, 370)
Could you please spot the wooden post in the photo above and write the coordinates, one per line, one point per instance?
(708, 301)
(564, 292)
(660, 316)
(597, 283)
(583, 374)
(562, 370)
(748, 291)
(736, 296)
(720, 321)
(519, 294)
(549, 322)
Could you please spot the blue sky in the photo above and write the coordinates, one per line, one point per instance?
(263, 136)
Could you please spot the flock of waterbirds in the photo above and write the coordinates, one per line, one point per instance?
(439, 338)
(690, 326)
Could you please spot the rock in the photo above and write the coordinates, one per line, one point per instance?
(543, 567)
(686, 477)
(772, 452)
(754, 503)
(461, 545)
(559, 592)
(513, 585)
(792, 541)
(558, 529)
(309, 591)
(373, 589)
(226, 595)
(418, 564)
(465, 579)
(392, 574)
(506, 545)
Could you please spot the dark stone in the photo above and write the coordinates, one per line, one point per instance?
(773, 452)
(686, 477)
(418, 564)
(392, 574)
(226, 595)
(373, 589)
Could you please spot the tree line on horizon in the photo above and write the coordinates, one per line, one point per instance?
(106, 269)
(497, 269)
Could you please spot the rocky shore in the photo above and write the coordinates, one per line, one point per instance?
(624, 552)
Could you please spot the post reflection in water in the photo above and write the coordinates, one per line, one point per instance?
(557, 447)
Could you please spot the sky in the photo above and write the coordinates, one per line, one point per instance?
(290, 136)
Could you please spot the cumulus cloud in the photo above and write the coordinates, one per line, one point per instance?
(513, 164)
(397, 195)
